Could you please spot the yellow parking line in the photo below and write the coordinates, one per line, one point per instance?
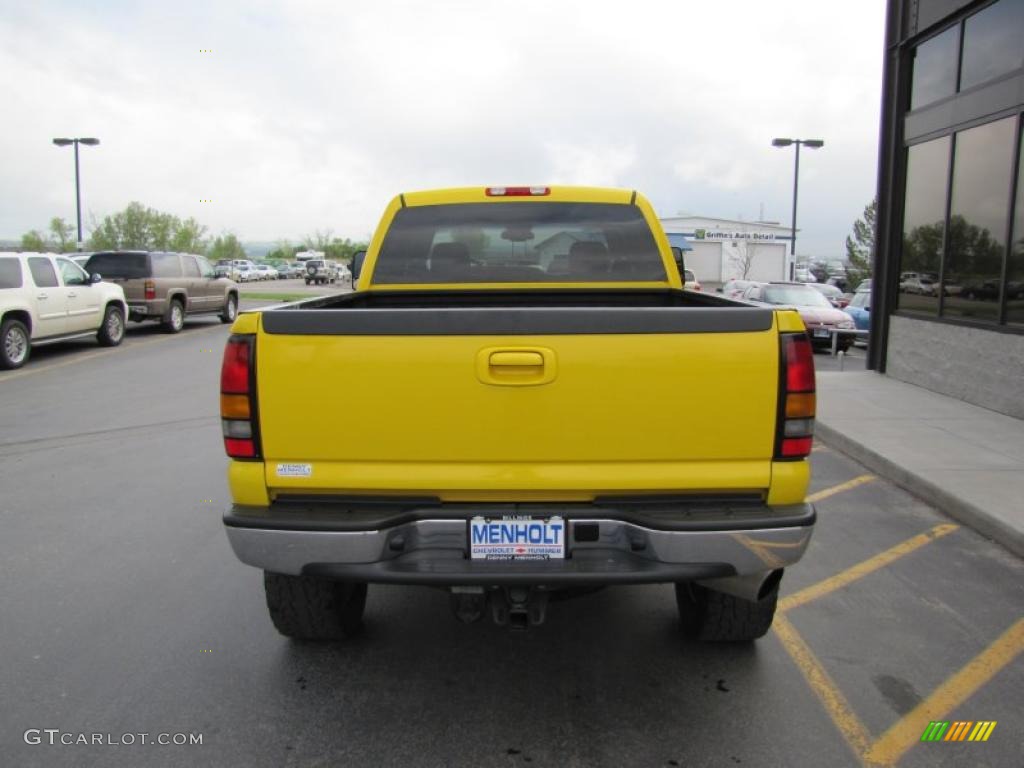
(836, 705)
(99, 353)
(848, 485)
(960, 687)
(862, 569)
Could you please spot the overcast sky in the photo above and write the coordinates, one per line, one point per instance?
(311, 115)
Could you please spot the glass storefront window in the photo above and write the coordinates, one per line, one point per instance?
(1015, 269)
(924, 215)
(982, 167)
(935, 68)
(993, 42)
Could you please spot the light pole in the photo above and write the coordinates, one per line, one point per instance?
(78, 193)
(811, 144)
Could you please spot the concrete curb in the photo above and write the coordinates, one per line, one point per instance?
(955, 507)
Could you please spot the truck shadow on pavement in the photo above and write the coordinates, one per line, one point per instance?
(607, 679)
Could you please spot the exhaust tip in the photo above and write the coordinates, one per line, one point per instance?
(769, 584)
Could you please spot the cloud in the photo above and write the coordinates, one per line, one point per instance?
(311, 115)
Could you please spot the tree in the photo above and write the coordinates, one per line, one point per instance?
(226, 246)
(743, 258)
(318, 241)
(284, 252)
(343, 249)
(334, 248)
(860, 249)
(188, 237)
(61, 232)
(34, 241)
(147, 229)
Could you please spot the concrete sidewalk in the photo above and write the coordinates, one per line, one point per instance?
(965, 460)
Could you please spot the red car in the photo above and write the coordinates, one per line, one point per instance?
(818, 314)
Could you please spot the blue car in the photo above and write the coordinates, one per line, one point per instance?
(859, 309)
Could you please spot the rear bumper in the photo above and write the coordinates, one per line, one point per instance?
(146, 309)
(604, 546)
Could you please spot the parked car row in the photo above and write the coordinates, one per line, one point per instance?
(244, 270)
(46, 297)
(820, 317)
(325, 271)
(315, 270)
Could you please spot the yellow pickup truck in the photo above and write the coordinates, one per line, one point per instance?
(536, 404)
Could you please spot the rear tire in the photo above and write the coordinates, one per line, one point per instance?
(307, 608)
(175, 319)
(230, 309)
(15, 344)
(111, 332)
(717, 617)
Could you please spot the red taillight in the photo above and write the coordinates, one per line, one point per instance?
(234, 371)
(237, 406)
(799, 357)
(797, 399)
(240, 449)
(796, 447)
(150, 287)
(518, 191)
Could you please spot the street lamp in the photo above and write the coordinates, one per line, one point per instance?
(811, 144)
(78, 194)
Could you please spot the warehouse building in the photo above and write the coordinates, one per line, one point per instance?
(722, 249)
(948, 295)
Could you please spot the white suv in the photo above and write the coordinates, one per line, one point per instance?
(45, 298)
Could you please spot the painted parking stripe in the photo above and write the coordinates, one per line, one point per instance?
(862, 569)
(956, 690)
(848, 485)
(832, 699)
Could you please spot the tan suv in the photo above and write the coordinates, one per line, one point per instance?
(165, 286)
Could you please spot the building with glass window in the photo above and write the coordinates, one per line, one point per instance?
(948, 298)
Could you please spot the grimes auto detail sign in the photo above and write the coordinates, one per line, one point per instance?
(718, 234)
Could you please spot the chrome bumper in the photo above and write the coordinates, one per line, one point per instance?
(433, 551)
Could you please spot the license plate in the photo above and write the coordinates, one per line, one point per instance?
(517, 538)
(821, 333)
(139, 309)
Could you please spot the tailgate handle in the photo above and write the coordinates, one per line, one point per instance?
(533, 359)
(516, 366)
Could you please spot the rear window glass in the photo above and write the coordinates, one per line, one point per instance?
(122, 265)
(10, 273)
(43, 273)
(796, 295)
(519, 243)
(165, 264)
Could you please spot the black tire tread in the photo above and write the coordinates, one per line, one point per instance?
(224, 318)
(168, 326)
(6, 364)
(102, 336)
(717, 617)
(306, 608)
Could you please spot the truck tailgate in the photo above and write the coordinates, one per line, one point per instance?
(520, 417)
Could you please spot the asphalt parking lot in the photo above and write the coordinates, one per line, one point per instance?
(124, 611)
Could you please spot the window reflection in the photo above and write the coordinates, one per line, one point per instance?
(923, 217)
(992, 42)
(977, 223)
(1015, 271)
(935, 68)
